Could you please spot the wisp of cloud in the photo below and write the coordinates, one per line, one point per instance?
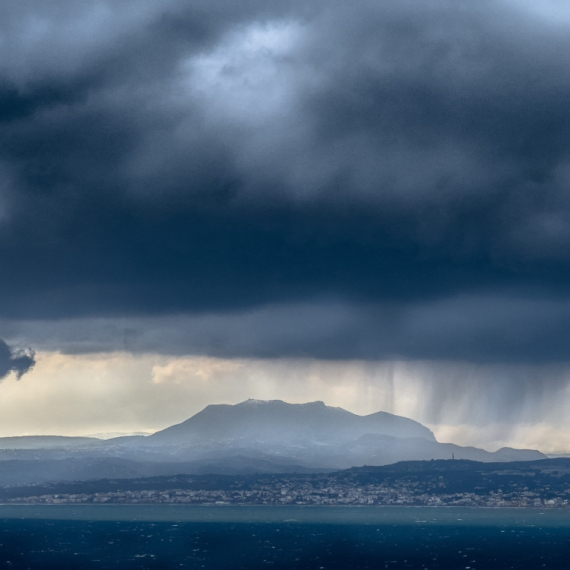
(18, 361)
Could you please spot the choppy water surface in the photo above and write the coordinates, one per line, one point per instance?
(329, 538)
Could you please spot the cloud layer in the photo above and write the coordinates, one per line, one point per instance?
(368, 181)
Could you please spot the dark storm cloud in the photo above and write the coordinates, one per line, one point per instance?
(16, 361)
(485, 330)
(164, 159)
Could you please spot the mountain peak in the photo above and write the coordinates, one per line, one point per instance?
(255, 402)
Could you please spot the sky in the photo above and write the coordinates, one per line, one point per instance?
(364, 203)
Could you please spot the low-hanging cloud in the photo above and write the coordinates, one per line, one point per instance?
(480, 330)
(17, 361)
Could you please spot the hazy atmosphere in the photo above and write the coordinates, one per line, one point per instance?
(364, 203)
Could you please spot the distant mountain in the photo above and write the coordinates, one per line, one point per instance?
(45, 442)
(384, 450)
(313, 435)
(275, 421)
(251, 437)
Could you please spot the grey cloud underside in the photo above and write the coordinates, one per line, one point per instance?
(466, 329)
(395, 161)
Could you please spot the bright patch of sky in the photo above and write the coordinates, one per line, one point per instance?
(250, 77)
(125, 393)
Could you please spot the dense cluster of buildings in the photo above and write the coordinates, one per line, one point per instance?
(308, 492)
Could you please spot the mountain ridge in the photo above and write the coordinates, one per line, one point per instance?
(281, 420)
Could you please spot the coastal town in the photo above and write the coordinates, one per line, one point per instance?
(440, 485)
(284, 496)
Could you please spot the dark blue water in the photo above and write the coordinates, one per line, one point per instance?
(162, 537)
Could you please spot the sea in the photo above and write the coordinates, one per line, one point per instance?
(256, 538)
